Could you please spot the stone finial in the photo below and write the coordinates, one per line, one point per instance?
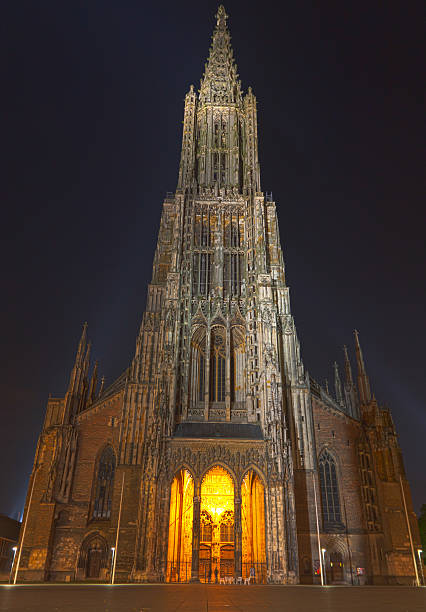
(337, 384)
(363, 381)
(221, 17)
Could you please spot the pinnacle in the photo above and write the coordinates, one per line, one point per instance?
(219, 83)
(221, 17)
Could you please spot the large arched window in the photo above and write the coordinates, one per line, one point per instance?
(329, 490)
(198, 365)
(237, 364)
(217, 365)
(104, 485)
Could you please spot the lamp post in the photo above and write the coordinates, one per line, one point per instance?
(419, 552)
(409, 532)
(14, 548)
(118, 532)
(112, 562)
(323, 551)
(318, 532)
(24, 526)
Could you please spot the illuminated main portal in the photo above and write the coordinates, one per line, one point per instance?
(217, 526)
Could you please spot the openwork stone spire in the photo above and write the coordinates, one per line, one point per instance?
(220, 81)
(363, 381)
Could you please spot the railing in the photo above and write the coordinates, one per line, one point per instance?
(179, 572)
(254, 573)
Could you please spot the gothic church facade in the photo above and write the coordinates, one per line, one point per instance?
(215, 454)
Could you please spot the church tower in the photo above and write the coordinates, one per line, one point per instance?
(217, 378)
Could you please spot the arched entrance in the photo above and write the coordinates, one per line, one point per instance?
(335, 569)
(253, 528)
(179, 553)
(93, 563)
(217, 525)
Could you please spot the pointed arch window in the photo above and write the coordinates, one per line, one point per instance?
(216, 134)
(329, 490)
(201, 273)
(217, 366)
(104, 485)
(198, 365)
(206, 527)
(227, 526)
(237, 364)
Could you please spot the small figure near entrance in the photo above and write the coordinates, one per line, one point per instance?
(209, 575)
(252, 575)
(216, 572)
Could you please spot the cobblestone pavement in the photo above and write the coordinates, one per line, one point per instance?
(211, 598)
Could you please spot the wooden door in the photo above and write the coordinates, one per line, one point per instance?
(94, 563)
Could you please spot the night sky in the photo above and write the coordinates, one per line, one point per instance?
(91, 117)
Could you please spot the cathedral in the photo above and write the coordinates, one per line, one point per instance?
(215, 456)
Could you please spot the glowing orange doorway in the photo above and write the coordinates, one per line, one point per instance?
(253, 528)
(179, 554)
(217, 526)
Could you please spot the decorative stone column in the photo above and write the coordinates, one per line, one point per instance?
(228, 374)
(207, 380)
(237, 537)
(195, 540)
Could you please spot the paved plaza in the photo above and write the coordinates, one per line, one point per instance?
(209, 598)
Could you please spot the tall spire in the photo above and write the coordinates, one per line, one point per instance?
(76, 387)
(363, 382)
(87, 359)
(348, 369)
(81, 344)
(219, 83)
(79, 358)
(337, 384)
(93, 383)
(350, 392)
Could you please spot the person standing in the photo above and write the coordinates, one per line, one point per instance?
(252, 575)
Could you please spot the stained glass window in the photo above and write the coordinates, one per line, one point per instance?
(104, 484)
(217, 367)
(329, 489)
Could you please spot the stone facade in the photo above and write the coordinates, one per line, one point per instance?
(217, 379)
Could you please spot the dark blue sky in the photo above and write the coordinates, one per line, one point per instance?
(91, 112)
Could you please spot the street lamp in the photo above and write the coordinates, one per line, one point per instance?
(419, 552)
(323, 551)
(112, 561)
(14, 548)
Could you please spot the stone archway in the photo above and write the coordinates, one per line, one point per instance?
(253, 528)
(179, 551)
(217, 503)
(337, 567)
(93, 563)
